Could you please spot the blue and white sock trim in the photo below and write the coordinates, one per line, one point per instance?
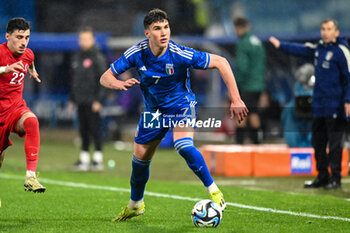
(141, 162)
(183, 143)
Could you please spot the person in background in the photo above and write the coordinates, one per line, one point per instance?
(250, 66)
(330, 100)
(88, 95)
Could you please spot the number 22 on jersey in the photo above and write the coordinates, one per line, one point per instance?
(17, 78)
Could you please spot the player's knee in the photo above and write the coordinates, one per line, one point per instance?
(31, 124)
(183, 145)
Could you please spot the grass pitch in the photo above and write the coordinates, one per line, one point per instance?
(86, 202)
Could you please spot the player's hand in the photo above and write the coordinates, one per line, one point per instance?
(34, 75)
(96, 106)
(347, 109)
(15, 67)
(238, 110)
(275, 42)
(129, 83)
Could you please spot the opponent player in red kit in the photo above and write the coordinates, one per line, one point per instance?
(15, 61)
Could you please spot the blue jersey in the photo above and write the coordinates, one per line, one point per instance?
(164, 80)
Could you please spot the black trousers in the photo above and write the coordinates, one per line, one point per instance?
(328, 131)
(89, 127)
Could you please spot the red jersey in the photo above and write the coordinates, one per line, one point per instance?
(11, 84)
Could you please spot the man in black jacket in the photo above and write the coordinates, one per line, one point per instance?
(88, 64)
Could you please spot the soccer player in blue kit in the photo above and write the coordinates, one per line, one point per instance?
(164, 79)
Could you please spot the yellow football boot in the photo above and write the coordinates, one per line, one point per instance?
(32, 184)
(128, 213)
(218, 198)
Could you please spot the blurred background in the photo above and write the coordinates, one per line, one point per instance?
(202, 24)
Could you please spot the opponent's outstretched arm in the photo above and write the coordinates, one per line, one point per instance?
(305, 50)
(237, 108)
(109, 80)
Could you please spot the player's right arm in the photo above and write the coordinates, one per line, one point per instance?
(15, 67)
(237, 108)
(305, 50)
(109, 80)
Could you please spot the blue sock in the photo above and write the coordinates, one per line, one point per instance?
(194, 159)
(139, 177)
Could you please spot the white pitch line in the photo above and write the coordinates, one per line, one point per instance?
(98, 187)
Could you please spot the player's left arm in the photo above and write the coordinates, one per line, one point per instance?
(33, 73)
(237, 108)
(344, 65)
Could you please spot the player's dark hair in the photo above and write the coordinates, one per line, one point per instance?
(17, 24)
(155, 15)
(241, 22)
(86, 29)
(335, 22)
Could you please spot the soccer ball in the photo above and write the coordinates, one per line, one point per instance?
(206, 213)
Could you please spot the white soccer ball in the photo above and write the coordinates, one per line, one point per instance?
(206, 213)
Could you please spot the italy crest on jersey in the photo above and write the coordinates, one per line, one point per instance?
(169, 69)
(329, 55)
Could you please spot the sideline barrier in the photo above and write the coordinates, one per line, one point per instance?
(263, 160)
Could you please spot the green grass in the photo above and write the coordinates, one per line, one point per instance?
(75, 209)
